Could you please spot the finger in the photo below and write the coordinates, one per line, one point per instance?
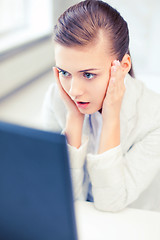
(118, 74)
(116, 85)
(56, 74)
(116, 81)
(114, 71)
(62, 91)
(120, 87)
(111, 85)
(119, 71)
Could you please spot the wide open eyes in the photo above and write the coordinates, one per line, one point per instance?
(88, 75)
(64, 73)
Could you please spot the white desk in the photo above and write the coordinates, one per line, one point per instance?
(129, 224)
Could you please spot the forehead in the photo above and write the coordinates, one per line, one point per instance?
(77, 58)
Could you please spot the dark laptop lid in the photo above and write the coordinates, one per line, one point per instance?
(36, 200)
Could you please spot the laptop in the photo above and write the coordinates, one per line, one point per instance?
(36, 199)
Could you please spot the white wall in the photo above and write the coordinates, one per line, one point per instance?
(144, 22)
(144, 25)
(61, 5)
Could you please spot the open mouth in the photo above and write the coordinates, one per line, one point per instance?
(82, 104)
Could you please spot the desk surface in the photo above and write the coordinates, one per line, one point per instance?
(128, 224)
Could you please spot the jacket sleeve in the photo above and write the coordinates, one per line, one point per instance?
(78, 174)
(53, 116)
(117, 179)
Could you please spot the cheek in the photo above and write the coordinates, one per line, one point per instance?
(102, 94)
(101, 89)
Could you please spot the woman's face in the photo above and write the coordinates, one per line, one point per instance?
(84, 73)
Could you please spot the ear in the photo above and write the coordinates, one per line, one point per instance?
(126, 63)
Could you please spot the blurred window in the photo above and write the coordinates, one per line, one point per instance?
(12, 16)
(23, 21)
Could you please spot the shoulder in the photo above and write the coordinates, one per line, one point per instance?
(52, 93)
(149, 103)
(140, 116)
(53, 110)
(53, 99)
(145, 100)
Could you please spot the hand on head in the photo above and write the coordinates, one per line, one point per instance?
(114, 93)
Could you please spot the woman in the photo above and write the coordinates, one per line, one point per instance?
(110, 119)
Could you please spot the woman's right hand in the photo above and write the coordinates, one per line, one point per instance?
(69, 103)
(74, 118)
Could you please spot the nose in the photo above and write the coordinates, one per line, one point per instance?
(76, 88)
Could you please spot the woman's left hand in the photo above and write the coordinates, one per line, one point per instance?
(114, 94)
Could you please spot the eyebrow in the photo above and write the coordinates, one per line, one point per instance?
(86, 70)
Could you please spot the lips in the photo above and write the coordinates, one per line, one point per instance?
(82, 104)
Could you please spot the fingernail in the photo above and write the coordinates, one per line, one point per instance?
(114, 68)
(115, 61)
(118, 63)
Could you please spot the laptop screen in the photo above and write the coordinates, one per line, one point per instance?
(36, 200)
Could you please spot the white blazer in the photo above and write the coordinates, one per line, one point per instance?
(127, 175)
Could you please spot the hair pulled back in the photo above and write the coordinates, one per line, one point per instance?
(80, 25)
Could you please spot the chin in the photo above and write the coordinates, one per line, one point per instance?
(90, 111)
